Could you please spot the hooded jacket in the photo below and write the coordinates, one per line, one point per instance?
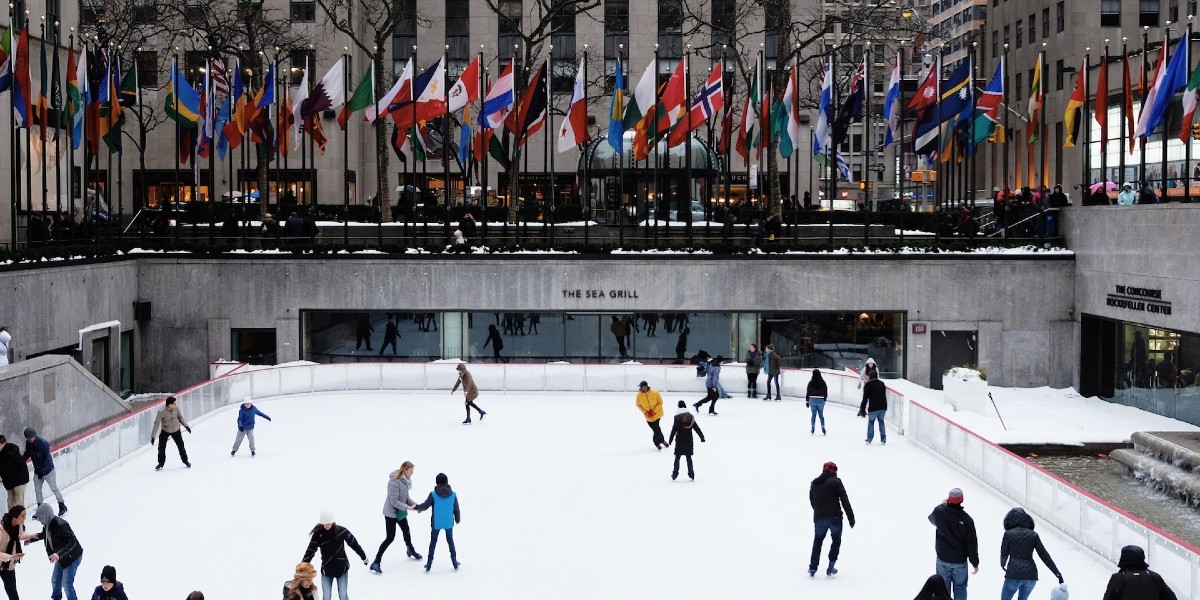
(398, 499)
(116, 593)
(1018, 545)
(332, 543)
(651, 404)
(39, 454)
(713, 375)
(828, 497)
(955, 541)
(245, 420)
(817, 388)
(58, 537)
(468, 385)
(683, 426)
(444, 503)
(772, 362)
(10, 544)
(1135, 580)
(13, 471)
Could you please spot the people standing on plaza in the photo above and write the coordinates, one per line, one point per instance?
(1134, 580)
(682, 428)
(955, 543)
(444, 502)
(363, 331)
(470, 392)
(1017, 546)
(828, 498)
(814, 399)
(649, 401)
(5, 345)
(619, 331)
(13, 472)
(62, 548)
(170, 421)
(874, 407)
(753, 367)
(391, 333)
(245, 424)
(772, 367)
(1127, 197)
(331, 539)
(712, 379)
(37, 451)
(496, 342)
(395, 512)
(301, 586)
(109, 588)
(12, 527)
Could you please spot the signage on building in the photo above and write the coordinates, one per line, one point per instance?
(920, 328)
(1139, 299)
(624, 294)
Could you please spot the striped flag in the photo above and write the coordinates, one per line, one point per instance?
(1074, 105)
(219, 80)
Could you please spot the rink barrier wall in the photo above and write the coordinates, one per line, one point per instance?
(1092, 522)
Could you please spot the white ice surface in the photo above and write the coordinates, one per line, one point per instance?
(562, 496)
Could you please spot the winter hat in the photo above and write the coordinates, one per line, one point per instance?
(247, 400)
(682, 404)
(1059, 592)
(108, 574)
(441, 479)
(955, 496)
(44, 514)
(326, 517)
(830, 468)
(305, 571)
(643, 384)
(30, 432)
(170, 400)
(1133, 558)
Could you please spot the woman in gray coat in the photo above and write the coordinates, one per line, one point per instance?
(395, 511)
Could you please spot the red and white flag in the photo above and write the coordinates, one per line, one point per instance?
(467, 89)
(707, 103)
(574, 128)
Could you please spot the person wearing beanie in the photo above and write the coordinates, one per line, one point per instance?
(1017, 546)
(12, 526)
(63, 549)
(13, 472)
(301, 586)
(395, 512)
(109, 588)
(446, 515)
(331, 539)
(245, 425)
(955, 543)
(814, 399)
(170, 420)
(874, 406)
(934, 589)
(827, 495)
(1134, 580)
(470, 392)
(37, 451)
(650, 402)
(712, 380)
(685, 423)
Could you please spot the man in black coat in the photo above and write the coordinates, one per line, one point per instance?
(13, 472)
(828, 497)
(62, 547)
(956, 543)
(874, 406)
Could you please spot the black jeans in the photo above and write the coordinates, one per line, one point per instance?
(711, 397)
(10, 584)
(390, 524)
(833, 526)
(471, 405)
(433, 536)
(773, 377)
(162, 446)
(658, 438)
(752, 382)
(691, 472)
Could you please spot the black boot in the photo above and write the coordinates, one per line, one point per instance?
(413, 554)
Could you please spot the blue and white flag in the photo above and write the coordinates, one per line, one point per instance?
(891, 105)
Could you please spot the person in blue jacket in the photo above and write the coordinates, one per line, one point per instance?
(37, 451)
(444, 503)
(245, 423)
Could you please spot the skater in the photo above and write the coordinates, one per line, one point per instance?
(12, 526)
(753, 366)
(721, 393)
(874, 406)
(955, 542)
(245, 424)
(13, 472)
(621, 332)
(390, 334)
(772, 367)
(681, 344)
(828, 497)
(1134, 580)
(868, 368)
(934, 589)
(332, 539)
(170, 419)
(470, 392)
(301, 587)
(109, 588)
(446, 515)
(1016, 556)
(395, 512)
(37, 451)
(497, 344)
(63, 549)
(363, 331)
(814, 399)
(649, 401)
(712, 379)
(683, 426)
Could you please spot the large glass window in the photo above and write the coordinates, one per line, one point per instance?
(1110, 13)
(836, 340)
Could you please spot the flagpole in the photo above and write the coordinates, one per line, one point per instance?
(1166, 138)
(484, 163)
(210, 112)
(585, 151)
(831, 153)
(85, 142)
(1126, 101)
(687, 143)
(1087, 123)
(412, 100)
(446, 146)
(120, 157)
(1007, 132)
(310, 172)
(900, 129)
(868, 137)
(1186, 138)
(1104, 129)
(346, 154)
(549, 132)
(727, 105)
(972, 166)
(658, 200)
(1143, 180)
(70, 224)
(28, 145)
(764, 128)
(14, 149)
(42, 117)
(56, 105)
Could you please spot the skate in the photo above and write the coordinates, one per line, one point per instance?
(62, 508)
(482, 414)
(831, 571)
(468, 421)
(158, 468)
(375, 568)
(413, 554)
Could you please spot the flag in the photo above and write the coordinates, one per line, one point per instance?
(726, 122)
(76, 73)
(220, 83)
(528, 118)
(709, 100)
(312, 126)
(1127, 89)
(43, 112)
(286, 124)
(1074, 105)
(399, 142)
(328, 94)
(464, 135)
(498, 146)
(182, 104)
(479, 146)
(22, 88)
(1101, 106)
(616, 112)
(364, 96)
(297, 120)
(1036, 100)
(235, 126)
(204, 143)
(891, 105)
(642, 101)
(466, 89)
(953, 98)
(574, 129)
(219, 127)
(987, 110)
(93, 76)
(129, 88)
(56, 94)
(499, 98)
(111, 114)
(927, 92)
(6, 60)
(852, 106)
(1190, 99)
(266, 95)
(787, 118)
(398, 89)
(672, 102)
(427, 103)
(745, 141)
(1167, 82)
(822, 139)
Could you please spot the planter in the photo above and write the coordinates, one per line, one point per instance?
(969, 395)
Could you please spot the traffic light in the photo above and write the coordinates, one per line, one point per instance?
(1196, 131)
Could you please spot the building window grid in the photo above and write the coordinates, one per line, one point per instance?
(1045, 23)
(147, 68)
(1059, 74)
(1020, 28)
(1110, 13)
(1173, 11)
(1032, 28)
(1148, 13)
(304, 11)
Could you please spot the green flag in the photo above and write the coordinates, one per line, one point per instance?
(364, 96)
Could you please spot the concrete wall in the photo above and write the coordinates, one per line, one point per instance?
(56, 396)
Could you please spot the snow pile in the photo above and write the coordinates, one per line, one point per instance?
(964, 374)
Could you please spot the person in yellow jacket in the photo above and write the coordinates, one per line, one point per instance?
(649, 401)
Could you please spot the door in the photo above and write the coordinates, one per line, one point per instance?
(98, 363)
(950, 349)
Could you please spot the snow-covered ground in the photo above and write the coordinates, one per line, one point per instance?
(562, 495)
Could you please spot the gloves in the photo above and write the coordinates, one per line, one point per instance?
(862, 413)
(152, 441)
(189, 429)
(240, 429)
(1060, 579)
(806, 404)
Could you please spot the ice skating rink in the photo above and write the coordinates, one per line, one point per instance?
(562, 496)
